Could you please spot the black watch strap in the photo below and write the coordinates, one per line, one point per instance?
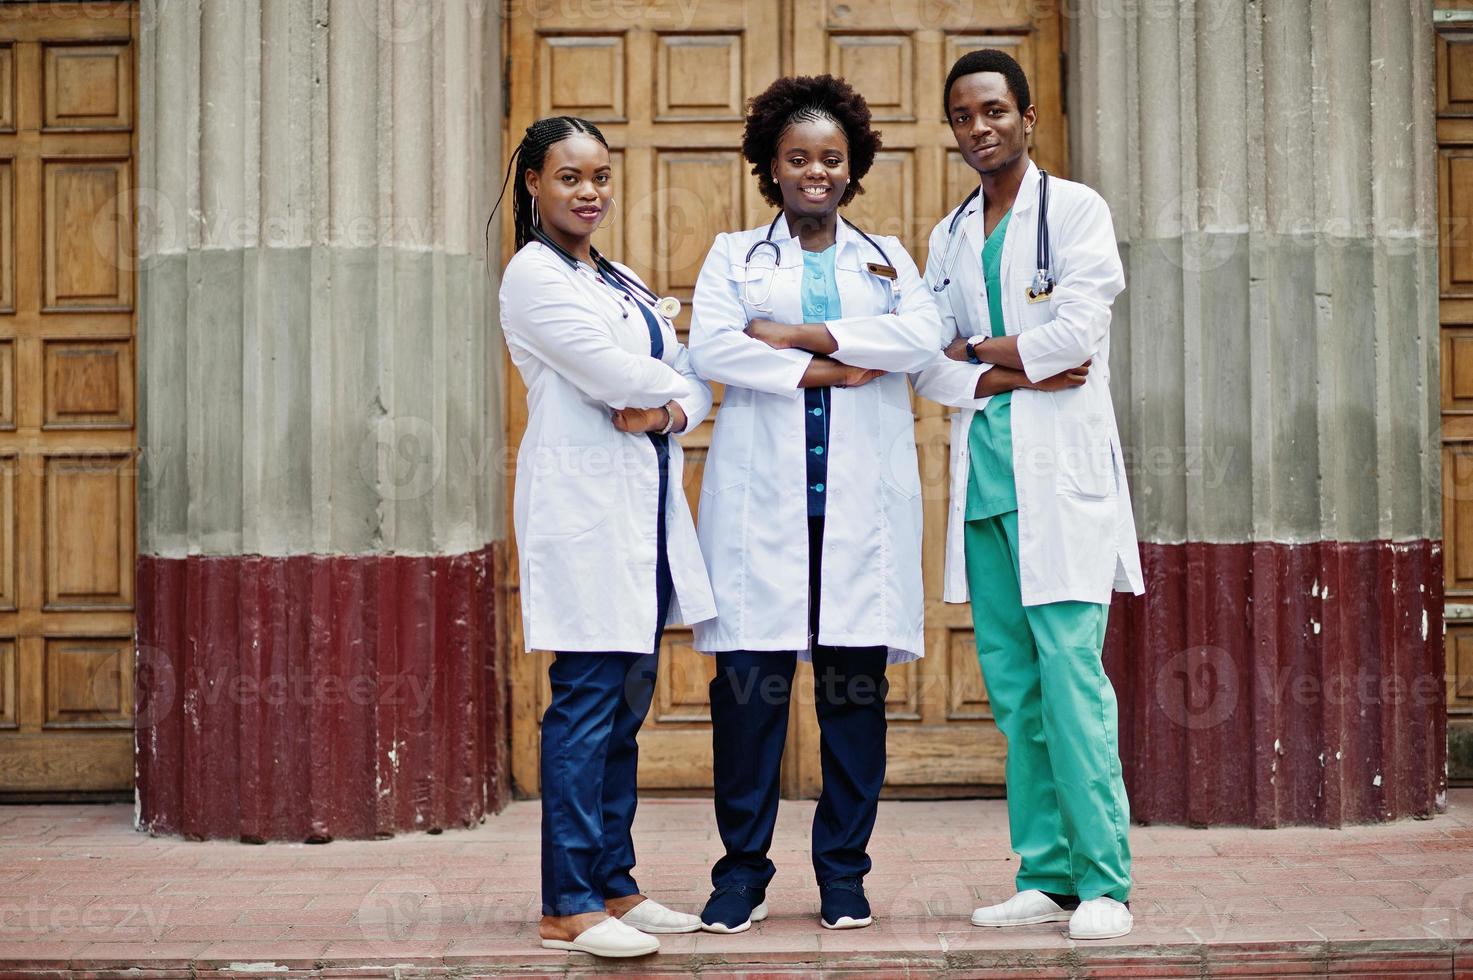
(972, 354)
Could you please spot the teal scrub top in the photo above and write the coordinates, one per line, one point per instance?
(991, 490)
(820, 298)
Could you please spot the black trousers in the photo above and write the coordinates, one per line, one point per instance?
(749, 725)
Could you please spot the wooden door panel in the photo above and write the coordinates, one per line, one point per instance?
(88, 86)
(87, 231)
(669, 93)
(698, 77)
(67, 397)
(7, 235)
(7, 88)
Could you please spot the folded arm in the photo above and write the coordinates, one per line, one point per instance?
(721, 350)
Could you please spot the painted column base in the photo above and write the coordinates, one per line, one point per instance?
(1268, 684)
(315, 697)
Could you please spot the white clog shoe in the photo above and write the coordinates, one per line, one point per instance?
(1024, 909)
(652, 917)
(1100, 918)
(610, 938)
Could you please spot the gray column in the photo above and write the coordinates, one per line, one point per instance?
(321, 423)
(1270, 165)
(319, 369)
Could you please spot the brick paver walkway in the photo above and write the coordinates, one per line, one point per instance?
(81, 890)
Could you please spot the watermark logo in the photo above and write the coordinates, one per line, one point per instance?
(1198, 687)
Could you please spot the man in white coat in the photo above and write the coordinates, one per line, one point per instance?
(1040, 529)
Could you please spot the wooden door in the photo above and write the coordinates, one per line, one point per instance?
(668, 89)
(1455, 255)
(67, 111)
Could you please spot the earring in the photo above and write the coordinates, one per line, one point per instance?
(613, 206)
(536, 216)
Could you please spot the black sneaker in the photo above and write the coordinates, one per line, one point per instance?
(733, 908)
(844, 905)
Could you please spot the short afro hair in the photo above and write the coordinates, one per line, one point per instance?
(800, 98)
(989, 59)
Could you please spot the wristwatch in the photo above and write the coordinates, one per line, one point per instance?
(972, 349)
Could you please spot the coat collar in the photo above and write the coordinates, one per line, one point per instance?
(850, 243)
(974, 223)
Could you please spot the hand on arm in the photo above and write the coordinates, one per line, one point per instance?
(1000, 379)
(651, 419)
(812, 337)
(825, 372)
(1002, 351)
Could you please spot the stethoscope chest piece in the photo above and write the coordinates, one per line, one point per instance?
(1041, 288)
(668, 307)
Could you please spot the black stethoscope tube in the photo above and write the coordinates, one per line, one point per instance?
(777, 253)
(599, 261)
(1043, 283)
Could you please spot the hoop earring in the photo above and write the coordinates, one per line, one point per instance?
(613, 207)
(536, 216)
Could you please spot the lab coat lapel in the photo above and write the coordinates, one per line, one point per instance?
(787, 300)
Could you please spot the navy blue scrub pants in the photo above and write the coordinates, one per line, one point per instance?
(590, 759)
(749, 722)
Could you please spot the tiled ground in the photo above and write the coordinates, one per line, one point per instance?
(80, 890)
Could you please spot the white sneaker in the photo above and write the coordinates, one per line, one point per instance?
(652, 917)
(1100, 918)
(1024, 909)
(608, 938)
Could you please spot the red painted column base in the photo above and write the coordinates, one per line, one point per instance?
(315, 697)
(1267, 684)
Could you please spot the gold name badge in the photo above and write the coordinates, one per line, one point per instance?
(884, 271)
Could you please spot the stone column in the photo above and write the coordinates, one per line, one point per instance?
(1271, 169)
(321, 489)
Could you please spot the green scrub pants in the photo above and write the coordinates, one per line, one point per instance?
(1067, 810)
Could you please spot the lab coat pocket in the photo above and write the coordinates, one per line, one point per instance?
(568, 581)
(728, 459)
(1084, 462)
(897, 442)
(864, 293)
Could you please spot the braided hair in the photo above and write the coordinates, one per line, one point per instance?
(806, 98)
(530, 154)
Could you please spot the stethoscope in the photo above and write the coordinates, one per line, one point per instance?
(777, 260)
(667, 306)
(1043, 283)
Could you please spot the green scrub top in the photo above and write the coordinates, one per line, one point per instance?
(991, 490)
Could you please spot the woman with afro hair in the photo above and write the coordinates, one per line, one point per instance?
(812, 326)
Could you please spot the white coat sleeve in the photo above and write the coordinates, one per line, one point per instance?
(719, 348)
(551, 319)
(943, 380)
(902, 341)
(696, 405)
(1090, 277)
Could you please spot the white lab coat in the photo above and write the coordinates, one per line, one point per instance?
(1076, 533)
(585, 504)
(754, 506)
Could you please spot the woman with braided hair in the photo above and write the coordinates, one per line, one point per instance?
(811, 501)
(607, 548)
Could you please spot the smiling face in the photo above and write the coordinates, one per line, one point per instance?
(574, 187)
(812, 168)
(991, 129)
